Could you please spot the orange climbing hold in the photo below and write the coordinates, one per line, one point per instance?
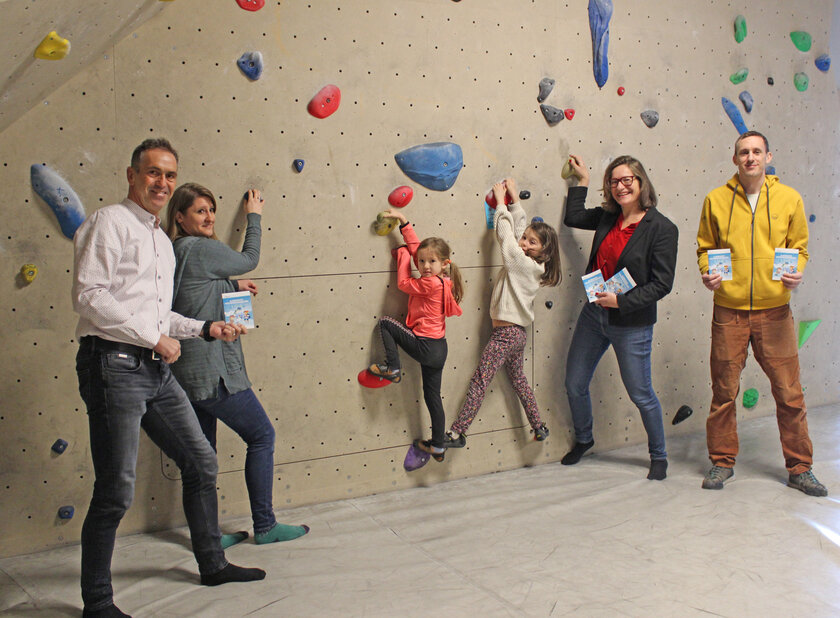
(53, 47)
(326, 102)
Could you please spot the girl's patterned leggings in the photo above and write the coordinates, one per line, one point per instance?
(506, 346)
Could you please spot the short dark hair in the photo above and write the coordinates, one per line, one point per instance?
(153, 143)
(647, 196)
(752, 134)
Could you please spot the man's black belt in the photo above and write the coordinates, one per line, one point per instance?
(98, 343)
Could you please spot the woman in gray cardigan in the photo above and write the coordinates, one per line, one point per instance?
(214, 376)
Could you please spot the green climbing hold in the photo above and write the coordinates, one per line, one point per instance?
(802, 40)
(800, 80)
(740, 28)
(739, 76)
(806, 329)
(750, 398)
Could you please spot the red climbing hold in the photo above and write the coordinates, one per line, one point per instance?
(490, 198)
(570, 113)
(325, 102)
(251, 5)
(621, 91)
(401, 196)
(368, 380)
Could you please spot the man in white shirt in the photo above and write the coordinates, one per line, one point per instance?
(128, 335)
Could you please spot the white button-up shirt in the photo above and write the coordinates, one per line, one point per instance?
(123, 279)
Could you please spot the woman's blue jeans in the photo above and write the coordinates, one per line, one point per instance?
(243, 413)
(632, 345)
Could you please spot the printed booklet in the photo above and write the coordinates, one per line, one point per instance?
(621, 282)
(785, 261)
(720, 263)
(238, 308)
(593, 283)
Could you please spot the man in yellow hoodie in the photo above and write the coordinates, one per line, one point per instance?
(752, 215)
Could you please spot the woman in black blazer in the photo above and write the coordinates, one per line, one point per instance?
(629, 233)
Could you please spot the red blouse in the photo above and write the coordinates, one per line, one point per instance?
(612, 246)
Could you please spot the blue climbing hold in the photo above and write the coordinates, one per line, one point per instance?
(59, 196)
(823, 62)
(537, 220)
(435, 166)
(734, 115)
(251, 64)
(770, 170)
(747, 100)
(812, 218)
(59, 446)
(66, 512)
(600, 12)
(298, 163)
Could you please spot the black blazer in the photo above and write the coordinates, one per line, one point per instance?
(650, 256)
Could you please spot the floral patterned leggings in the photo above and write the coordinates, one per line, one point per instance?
(506, 347)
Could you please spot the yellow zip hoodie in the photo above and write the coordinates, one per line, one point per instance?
(728, 222)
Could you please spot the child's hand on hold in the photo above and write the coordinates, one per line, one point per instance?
(510, 184)
(396, 214)
(499, 192)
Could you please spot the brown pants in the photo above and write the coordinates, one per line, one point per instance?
(771, 333)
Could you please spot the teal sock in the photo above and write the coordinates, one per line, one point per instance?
(229, 540)
(279, 533)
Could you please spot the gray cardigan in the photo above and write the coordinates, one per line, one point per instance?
(203, 266)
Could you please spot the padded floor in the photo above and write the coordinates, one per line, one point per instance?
(595, 539)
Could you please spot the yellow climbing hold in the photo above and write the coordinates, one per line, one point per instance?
(53, 47)
(384, 224)
(568, 171)
(29, 272)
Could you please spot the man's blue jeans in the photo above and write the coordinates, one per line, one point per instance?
(124, 392)
(632, 345)
(243, 413)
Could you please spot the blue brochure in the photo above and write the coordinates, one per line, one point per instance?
(238, 308)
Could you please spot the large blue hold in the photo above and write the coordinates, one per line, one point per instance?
(435, 166)
(251, 64)
(600, 12)
(734, 115)
(59, 196)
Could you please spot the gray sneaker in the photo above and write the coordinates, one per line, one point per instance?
(716, 477)
(807, 483)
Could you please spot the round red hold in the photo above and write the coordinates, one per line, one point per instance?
(325, 102)
(490, 198)
(401, 196)
(570, 113)
(251, 5)
(621, 91)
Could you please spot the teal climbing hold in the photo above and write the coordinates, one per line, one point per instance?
(738, 76)
(802, 40)
(435, 166)
(800, 81)
(59, 196)
(750, 398)
(823, 62)
(740, 28)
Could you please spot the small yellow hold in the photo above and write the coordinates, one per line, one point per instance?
(384, 224)
(53, 47)
(568, 171)
(29, 272)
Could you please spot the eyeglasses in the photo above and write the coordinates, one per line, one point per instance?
(625, 180)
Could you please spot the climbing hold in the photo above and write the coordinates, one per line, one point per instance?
(490, 199)
(740, 28)
(251, 64)
(489, 215)
(53, 47)
(568, 171)
(800, 81)
(29, 272)
(435, 166)
(750, 398)
(738, 76)
(747, 100)
(551, 114)
(370, 380)
(683, 413)
(401, 196)
(537, 220)
(298, 163)
(770, 170)
(59, 196)
(600, 12)
(770, 81)
(415, 458)
(548, 304)
(66, 512)
(251, 5)
(569, 114)
(59, 446)
(812, 218)
(384, 224)
(325, 102)
(801, 39)
(806, 329)
(823, 62)
(650, 118)
(524, 195)
(734, 115)
(620, 91)
(546, 85)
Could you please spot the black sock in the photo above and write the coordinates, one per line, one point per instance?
(232, 573)
(573, 456)
(112, 611)
(657, 469)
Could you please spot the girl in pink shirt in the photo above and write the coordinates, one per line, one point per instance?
(432, 298)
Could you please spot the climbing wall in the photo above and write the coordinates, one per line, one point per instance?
(410, 73)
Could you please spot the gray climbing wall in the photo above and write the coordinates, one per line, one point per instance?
(410, 73)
